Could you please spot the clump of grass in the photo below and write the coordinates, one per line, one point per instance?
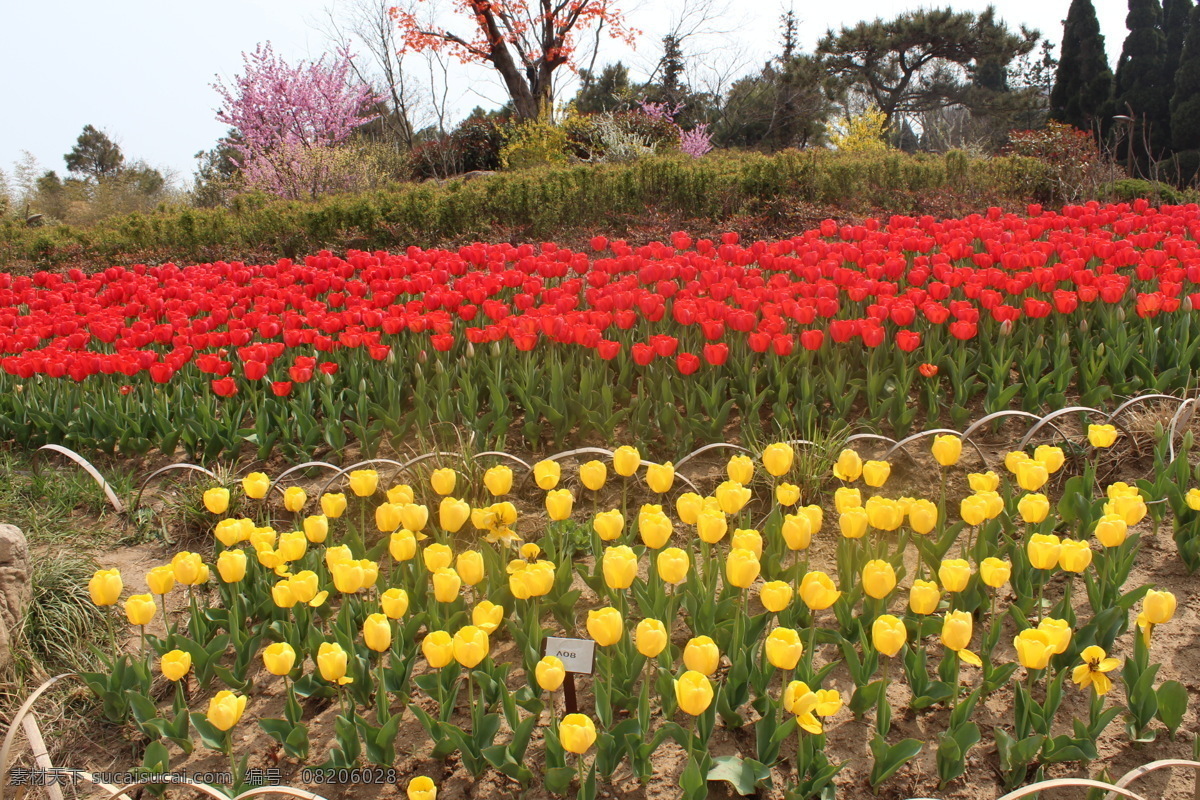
(62, 625)
(57, 503)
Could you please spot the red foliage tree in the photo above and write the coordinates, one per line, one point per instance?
(523, 40)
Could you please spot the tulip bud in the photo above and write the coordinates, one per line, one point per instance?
(363, 482)
(1059, 632)
(711, 525)
(797, 531)
(331, 663)
(1074, 556)
(775, 596)
(619, 565)
(848, 466)
(741, 567)
(1043, 550)
(673, 565)
(626, 461)
(1159, 607)
(1033, 648)
(777, 458)
(954, 573)
(140, 609)
(878, 578)
(446, 585)
(608, 525)
(443, 480)
(740, 469)
(818, 591)
(559, 504)
(995, 572)
(160, 579)
(546, 474)
(255, 485)
(437, 556)
(216, 500)
(231, 566)
(660, 477)
(377, 632)
(333, 505)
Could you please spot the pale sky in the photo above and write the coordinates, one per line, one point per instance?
(141, 70)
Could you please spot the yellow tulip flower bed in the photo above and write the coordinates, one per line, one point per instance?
(998, 626)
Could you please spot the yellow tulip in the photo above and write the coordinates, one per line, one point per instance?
(701, 655)
(1158, 607)
(469, 566)
(394, 603)
(282, 596)
(160, 579)
(884, 514)
(1192, 498)
(414, 516)
(650, 637)
(888, 634)
(550, 673)
(620, 566)
(957, 629)
(693, 693)
(783, 648)
(422, 788)
(140, 609)
(438, 649)
(175, 664)
(443, 480)
(1102, 435)
(189, 569)
(1014, 459)
(446, 584)
(673, 565)
(363, 482)
(547, 474)
(304, 587)
(741, 567)
(402, 545)
(294, 499)
(1032, 475)
(1052, 457)
(848, 466)
(279, 658)
(387, 517)
(797, 531)
(559, 504)
(995, 572)
(437, 556)
(1132, 509)
(348, 577)
(740, 469)
(777, 458)
(377, 632)
(626, 461)
(924, 597)
(593, 474)
(401, 494)
(954, 573)
(688, 506)
(946, 449)
(1092, 671)
(231, 566)
(876, 473)
(608, 525)
(216, 500)
(225, 709)
(1058, 631)
(1033, 648)
(1043, 550)
(1121, 489)
(654, 527)
(853, 523)
(845, 498)
(816, 516)
(747, 539)
(711, 525)
(973, 509)
(470, 646)
(922, 516)
(818, 591)
(1033, 508)
(263, 538)
(498, 480)
(333, 505)
(983, 481)
(576, 733)
(605, 625)
(453, 514)
(487, 616)
(787, 494)
(878, 578)
(732, 497)
(660, 477)
(255, 485)
(316, 528)
(292, 546)
(1074, 556)
(230, 532)
(775, 596)
(331, 663)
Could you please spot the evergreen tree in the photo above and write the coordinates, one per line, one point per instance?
(1185, 103)
(1176, 21)
(1083, 83)
(94, 155)
(1141, 81)
(608, 91)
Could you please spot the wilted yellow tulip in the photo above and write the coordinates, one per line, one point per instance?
(650, 637)
(438, 649)
(402, 545)
(216, 500)
(884, 514)
(225, 709)
(878, 578)
(876, 473)
(422, 788)
(470, 646)
(1033, 648)
(783, 648)
(1043, 550)
(394, 603)
(660, 477)
(1032, 475)
(626, 461)
(1052, 457)
(377, 632)
(437, 556)
(747, 539)
(922, 516)
(1092, 671)
(955, 574)
(333, 505)
(1058, 631)
(331, 663)
(957, 629)
(654, 527)
(924, 597)
(888, 634)
(946, 449)
(576, 733)
(443, 480)
(446, 584)
(787, 494)
(741, 567)
(973, 509)
(256, 485)
(1158, 607)
(673, 565)
(608, 525)
(701, 655)
(547, 474)
(818, 591)
(316, 528)
(853, 523)
(693, 692)
(688, 506)
(711, 525)
(848, 466)
(1102, 435)
(732, 497)
(593, 474)
(1074, 556)
(740, 469)
(160, 579)
(777, 458)
(550, 673)
(175, 664)
(279, 658)
(620, 566)
(995, 572)
(140, 609)
(797, 531)
(983, 481)
(363, 482)
(231, 566)
(605, 625)
(498, 480)
(775, 596)
(294, 499)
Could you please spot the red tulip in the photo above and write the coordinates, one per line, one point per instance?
(928, 370)
(812, 339)
(608, 349)
(224, 387)
(716, 354)
(687, 363)
(281, 388)
(643, 354)
(908, 340)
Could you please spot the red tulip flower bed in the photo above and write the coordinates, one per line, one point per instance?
(677, 338)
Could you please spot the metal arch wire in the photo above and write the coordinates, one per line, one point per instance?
(1007, 412)
(1057, 783)
(1137, 772)
(275, 484)
(1188, 403)
(706, 448)
(1060, 413)
(146, 481)
(88, 468)
(922, 434)
(352, 467)
(15, 724)
(425, 457)
(1142, 398)
(509, 456)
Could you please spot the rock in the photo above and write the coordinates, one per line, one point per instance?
(15, 588)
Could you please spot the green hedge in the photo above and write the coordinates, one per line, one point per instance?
(544, 203)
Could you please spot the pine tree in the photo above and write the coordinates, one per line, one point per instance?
(1185, 103)
(1141, 82)
(1083, 83)
(1176, 21)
